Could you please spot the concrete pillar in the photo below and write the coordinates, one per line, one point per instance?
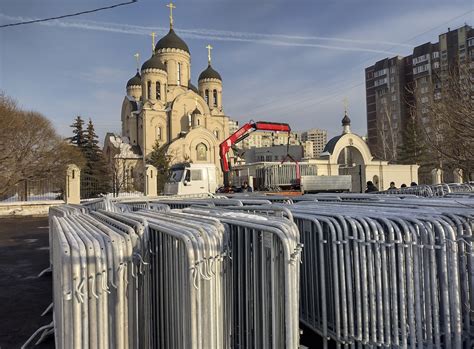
(73, 185)
(151, 185)
(457, 173)
(436, 176)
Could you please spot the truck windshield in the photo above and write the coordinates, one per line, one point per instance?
(176, 175)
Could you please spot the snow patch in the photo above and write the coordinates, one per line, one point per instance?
(244, 215)
(124, 147)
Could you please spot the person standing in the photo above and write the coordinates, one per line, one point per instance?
(371, 187)
(246, 188)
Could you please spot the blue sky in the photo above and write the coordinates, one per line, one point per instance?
(287, 61)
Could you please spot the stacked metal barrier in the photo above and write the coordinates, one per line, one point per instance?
(394, 273)
(433, 190)
(143, 276)
(390, 271)
(377, 270)
(263, 280)
(276, 175)
(96, 273)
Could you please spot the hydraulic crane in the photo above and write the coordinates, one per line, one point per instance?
(243, 133)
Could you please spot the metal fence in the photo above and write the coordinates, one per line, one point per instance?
(96, 187)
(376, 271)
(382, 270)
(274, 176)
(34, 190)
(143, 276)
(434, 190)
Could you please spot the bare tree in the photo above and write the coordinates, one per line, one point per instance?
(30, 149)
(387, 132)
(117, 169)
(450, 134)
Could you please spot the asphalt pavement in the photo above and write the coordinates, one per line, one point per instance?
(24, 253)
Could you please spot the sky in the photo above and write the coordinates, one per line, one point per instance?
(284, 61)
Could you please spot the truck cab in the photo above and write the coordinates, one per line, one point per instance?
(188, 179)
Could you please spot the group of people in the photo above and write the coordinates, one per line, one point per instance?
(230, 189)
(371, 187)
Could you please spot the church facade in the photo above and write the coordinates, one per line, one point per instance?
(162, 105)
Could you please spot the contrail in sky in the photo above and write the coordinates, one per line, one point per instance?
(220, 35)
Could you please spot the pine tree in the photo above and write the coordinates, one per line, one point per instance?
(411, 150)
(91, 144)
(162, 162)
(78, 131)
(95, 177)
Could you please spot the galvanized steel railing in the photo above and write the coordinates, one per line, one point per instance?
(433, 190)
(376, 270)
(394, 272)
(143, 276)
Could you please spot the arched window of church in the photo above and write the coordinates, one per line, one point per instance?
(198, 122)
(158, 90)
(178, 72)
(201, 152)
(158, 133)
(148, 89)
(216, 133)
(207, 96)
(214, 95)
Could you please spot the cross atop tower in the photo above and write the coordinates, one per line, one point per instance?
(153, 35)
(346, 104)
(171, 6)
(209, 48)
(137, 58)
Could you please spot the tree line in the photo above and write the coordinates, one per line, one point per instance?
(30, 148)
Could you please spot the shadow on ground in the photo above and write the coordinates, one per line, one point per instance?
(24, 253)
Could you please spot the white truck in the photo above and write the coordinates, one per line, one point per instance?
(189, 179)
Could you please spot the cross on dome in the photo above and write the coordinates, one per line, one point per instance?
(137, 58)
(171, 6)
(346, 104)
(209, 48)
(153, 35)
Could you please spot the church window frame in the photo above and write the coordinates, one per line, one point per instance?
(206, 96)
(158, 90)
(178, 74)
(148, 89)
(159, 133)
(216, 133)
(214, 97)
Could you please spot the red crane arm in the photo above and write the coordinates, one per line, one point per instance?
(247, 129)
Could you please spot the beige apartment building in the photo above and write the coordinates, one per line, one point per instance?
(273, 140)
(318, 137)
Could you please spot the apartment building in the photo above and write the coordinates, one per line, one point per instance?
(318, 137)
(386, 100)
(399, 88)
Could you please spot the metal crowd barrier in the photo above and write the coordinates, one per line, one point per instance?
(393, 271)
(276, 175)
(143, 276)
(433, 190)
